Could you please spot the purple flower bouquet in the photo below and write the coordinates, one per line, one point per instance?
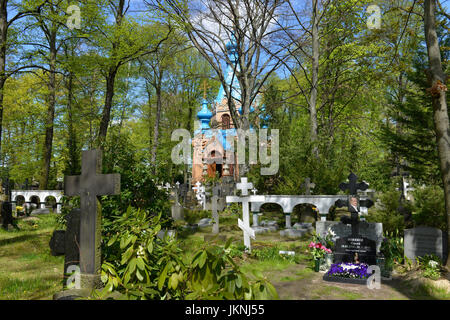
(348, 270)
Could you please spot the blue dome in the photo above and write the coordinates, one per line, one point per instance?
(204, 115)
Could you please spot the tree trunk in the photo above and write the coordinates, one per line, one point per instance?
(106, 115)
(48, 142)
(314, 79)
(3, 38)
(156, 127)
(73, 165)
(440, 114)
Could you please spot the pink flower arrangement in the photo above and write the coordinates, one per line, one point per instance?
(318, 250)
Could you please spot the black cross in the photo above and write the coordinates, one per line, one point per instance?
(90, 184)
(353, 186)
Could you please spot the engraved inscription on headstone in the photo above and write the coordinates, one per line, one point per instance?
(424, 240)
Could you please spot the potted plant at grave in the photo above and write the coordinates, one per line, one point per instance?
(318, 251)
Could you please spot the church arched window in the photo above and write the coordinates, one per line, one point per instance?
(226, 121)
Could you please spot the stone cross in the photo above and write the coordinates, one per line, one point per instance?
(215, 214)
(244, 186)
(90, 184)
(254, 191)
(308, 185)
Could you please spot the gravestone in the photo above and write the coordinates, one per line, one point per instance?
(67, 242)
(370, 230)
(355, 249)
(177, 212)
(424, 240)
(90, 184)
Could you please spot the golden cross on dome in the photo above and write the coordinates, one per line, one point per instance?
(205, 86)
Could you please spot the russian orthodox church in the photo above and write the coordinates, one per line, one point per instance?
(214, 140)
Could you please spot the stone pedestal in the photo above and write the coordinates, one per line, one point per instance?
(288, 221)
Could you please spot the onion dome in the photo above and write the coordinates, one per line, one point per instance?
(204, 115)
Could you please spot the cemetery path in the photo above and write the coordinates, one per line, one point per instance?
(299, 282)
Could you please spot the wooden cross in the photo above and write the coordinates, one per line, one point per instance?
(90, 184)
(244, 225)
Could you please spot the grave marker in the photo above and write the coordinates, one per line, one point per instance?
(90, 184)
(244, 224)
(424, 240)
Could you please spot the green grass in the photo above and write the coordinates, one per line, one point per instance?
(336, 292)
(29, 271)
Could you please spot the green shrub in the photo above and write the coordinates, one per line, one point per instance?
(429, 207)
(386, 212)
(149, 268)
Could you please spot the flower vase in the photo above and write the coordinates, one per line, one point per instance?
(317, 264)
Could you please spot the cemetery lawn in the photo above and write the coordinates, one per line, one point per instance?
(29, 271)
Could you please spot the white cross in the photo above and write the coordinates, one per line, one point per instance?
(254, 191)
(167, 186)
(245, 224)
(244, 186)
(178, 184)
(197, 188)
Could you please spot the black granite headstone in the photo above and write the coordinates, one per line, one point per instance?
(355, 249)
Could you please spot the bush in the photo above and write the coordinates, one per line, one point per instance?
(429, 207)
(149, 268)
(386, 212)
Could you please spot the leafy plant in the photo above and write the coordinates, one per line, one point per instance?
(392, 248)
(146, 267)
(428, 208)
(387, 213)
(430, 265)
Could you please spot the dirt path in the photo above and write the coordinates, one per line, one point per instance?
(299, 282)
